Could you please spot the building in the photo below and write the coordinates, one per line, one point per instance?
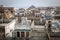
(53, 30)
(9, 8)
(6, 28)
(22, 29)
(8, 14)
(56, 15)
(38, 32)
(3, 11)
(20, 11)
(9, 28)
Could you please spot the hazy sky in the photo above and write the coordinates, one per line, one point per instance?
(27, 3)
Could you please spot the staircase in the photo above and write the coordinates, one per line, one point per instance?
(39, 35)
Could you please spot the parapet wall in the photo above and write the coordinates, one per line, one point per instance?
(9, 28)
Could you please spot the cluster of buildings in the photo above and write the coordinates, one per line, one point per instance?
(33, 23)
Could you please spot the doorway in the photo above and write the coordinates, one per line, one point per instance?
(18, 34)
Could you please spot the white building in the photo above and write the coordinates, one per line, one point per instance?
(55, 25)
(22, 29)
(9, 28)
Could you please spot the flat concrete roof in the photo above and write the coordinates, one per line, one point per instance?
(22, 27)
(4, 24)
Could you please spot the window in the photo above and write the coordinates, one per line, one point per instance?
(18, 34)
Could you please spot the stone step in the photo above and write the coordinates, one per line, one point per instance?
(38, 34)
(39, 38)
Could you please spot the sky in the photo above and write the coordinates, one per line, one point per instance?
(27, 3)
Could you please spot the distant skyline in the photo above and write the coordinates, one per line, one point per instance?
(28, 3)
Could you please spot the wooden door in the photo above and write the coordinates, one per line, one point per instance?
(22, 34)
(27, 34)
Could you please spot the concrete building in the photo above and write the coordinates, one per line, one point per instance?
(6, 28)
(22, 29)
(56, 15)
(53, 29)
(38, 32)
(31, 24)
(37, 35)
(8, 14)
(2, 8)
(9, 28)
(20, 11)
